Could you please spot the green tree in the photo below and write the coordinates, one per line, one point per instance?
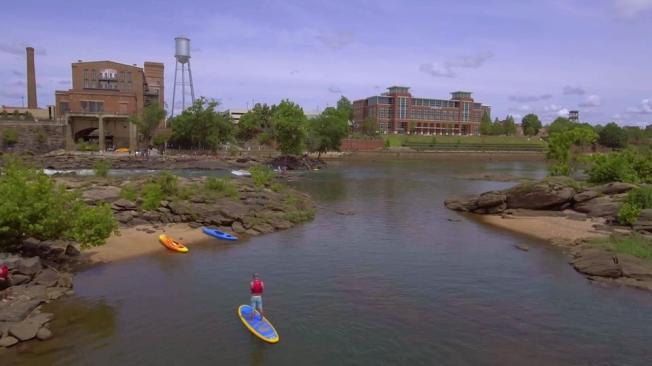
(560, 148)
(531, 124)
(635, 134)
(497, 128)
(202, 126)
(146, 124)
(254, 122)
(369, 127)
(325, 133)
(289, 126)
(509, 126)
(345, 106)
(560, 124)
(160, 139)
(613, 136)
(485, 124)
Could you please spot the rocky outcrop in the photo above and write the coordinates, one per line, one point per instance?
(602, 206)
(542, 195)
(291, 162)
(644, 221)
(598, 263)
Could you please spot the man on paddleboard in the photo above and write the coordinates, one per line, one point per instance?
(257, 286)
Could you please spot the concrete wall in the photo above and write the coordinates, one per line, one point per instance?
(36, 137)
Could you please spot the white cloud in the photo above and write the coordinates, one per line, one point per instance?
(591, 101)
(447, 68)
(632, 8)
(18, 49)
(334, 90)
(562, 112)
(336, 40)
(570, 90)
(529, 98)
(645, 107)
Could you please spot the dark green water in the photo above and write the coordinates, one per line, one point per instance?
(396, 283)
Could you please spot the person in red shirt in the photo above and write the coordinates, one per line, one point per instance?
(257, 286)
(5, 282)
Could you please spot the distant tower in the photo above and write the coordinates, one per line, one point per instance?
(574, 116)
(31, 79)
(182, 54)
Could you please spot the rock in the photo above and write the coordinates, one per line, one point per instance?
(644, 221)
(602, 206)
(32, 247)
(101, 194)
(279, 223)
(601, 263)
(48, 278)
(634, 267)
(464, 204)
(237, 227)
(19, 279)
(123, 205)
(616, 188)
(150, 231)
(181, 208)
(41, 318)
(545, 194)
(151, 216)
(490, 200)
(522, 247)
(17, 310)
(194, 225)
(29, 292)
(72, 251)
(137, 221)
(252, 232)
(165, 204)
(231, 209)
(263, 228)
(124, 217)
(8, 341)
(65, 280)
(54, 293)
(492, 210)
(218, 220)
(163, 210)
(585, 195)
(24, 330)
(29, 266)
(44, 334)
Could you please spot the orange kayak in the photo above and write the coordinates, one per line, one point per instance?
(172, 244)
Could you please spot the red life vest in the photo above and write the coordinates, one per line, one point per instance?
(257, 287)
(4, 271)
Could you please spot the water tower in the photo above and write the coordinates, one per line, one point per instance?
(182, 54)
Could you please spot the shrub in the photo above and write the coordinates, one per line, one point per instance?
(41, 137)
(278, 187)
(129, 193)
(101, 168)
(299, 216)
(636, 200)
(33, 205)
(168, 183)
(261, 175)
(87, 146)
(152, 194)
(222, 186)
(10, 137)
(628, 214)
(626, 166)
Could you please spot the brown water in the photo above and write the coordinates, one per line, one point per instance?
(393, 283)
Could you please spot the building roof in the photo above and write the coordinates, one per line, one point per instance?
(107, 61)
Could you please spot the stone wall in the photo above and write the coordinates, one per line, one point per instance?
(35, 137)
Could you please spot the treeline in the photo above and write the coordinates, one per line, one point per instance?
(282, 125)
(497, 127)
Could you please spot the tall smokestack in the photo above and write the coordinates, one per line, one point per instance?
(31, 79)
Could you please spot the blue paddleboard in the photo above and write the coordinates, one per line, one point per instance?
(218, 234)
(261, 328)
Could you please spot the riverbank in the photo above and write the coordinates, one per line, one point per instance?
(548, 228)
(465, 156)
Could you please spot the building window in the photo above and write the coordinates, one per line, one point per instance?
(89, 106)
(465, 114)
(128, 77)
(64, 107)
(402, 108)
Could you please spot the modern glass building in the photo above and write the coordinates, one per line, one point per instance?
(397, 111)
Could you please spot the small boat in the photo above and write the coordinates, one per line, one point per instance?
(218, 234)
(172, 244)
(259, 326)
(241, 173)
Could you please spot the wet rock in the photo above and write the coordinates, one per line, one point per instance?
(464, 204)
(492, 210)
(8, 341)
(615, 188)
(44, 334)
(124, 217)
(18, 309)
(123, 205)
(598, 263)
(24, 330)
(238, 228)
(602, 206)
(29, 266)
(279, 223)
(546, 194)
(491, 199)
(54, 293)
(101, 194)
(252, 232)
(263, 228)
(522, 247)
(41, 319)
(72, 251)
(48, 278)
(585, 196)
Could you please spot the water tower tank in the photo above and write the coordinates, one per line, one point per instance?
(182, 49)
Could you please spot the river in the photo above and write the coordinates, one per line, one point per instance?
(384, 275)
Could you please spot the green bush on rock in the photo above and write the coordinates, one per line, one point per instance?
(261, 175)
(637, 199)
(627, 166)
(33, 205)
(101, 168)
(222, 187)
(152, 194)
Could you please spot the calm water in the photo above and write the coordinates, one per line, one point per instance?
(393, 283)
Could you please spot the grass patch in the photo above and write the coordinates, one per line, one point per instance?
(222, 187)
(298, 216)
(101, 168)
(129, 193)
(152, 194)
(261, 175)
(635, 245)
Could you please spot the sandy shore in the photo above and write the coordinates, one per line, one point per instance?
(131, 242)
(544, 227)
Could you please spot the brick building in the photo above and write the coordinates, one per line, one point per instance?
(397, 111)
(104, 95)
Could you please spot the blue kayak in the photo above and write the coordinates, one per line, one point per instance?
(218, 234)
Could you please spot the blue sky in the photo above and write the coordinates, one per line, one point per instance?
(518, 56)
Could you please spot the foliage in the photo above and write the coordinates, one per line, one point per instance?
(201, 126)
(146, 124)
(10, 137)
(623, 166)
(628, 214)
(4, 115)
(289, 124)
(531, 124)
(256, 121)
(325, 133)
(635, 135)
(613, 136)
(298, 216)
(33, 205)
(509, 126)
(345, 107)
(152, 194)
(265, 138)
(168, 183)
(101, 168)
(129, 193)
(87, 146)
(27, 116)
(41, 137)
(278, 187)
(222, 186)
(261, 175)
(560, 124)
(369, 127)
(635, 245)
(160, 139)
(637, 199)
(559, 148)
(485, 124)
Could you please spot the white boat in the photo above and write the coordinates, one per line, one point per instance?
(241, 173)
